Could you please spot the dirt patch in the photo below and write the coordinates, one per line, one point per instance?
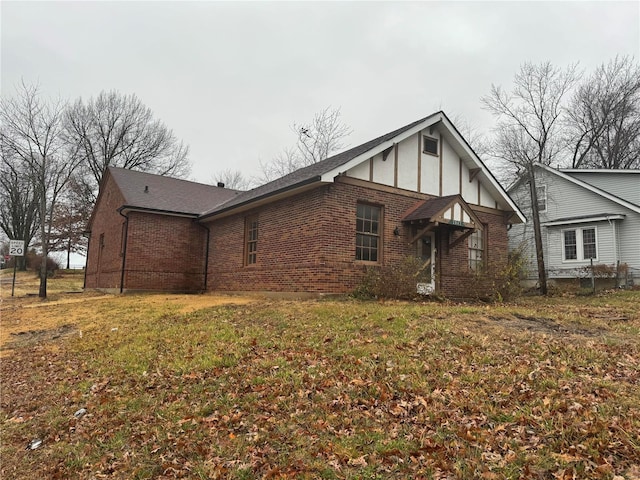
(544, 325)
(27, 321)
(32, 337)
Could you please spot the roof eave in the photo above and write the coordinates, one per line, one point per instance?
(262, 199)
(133, 208)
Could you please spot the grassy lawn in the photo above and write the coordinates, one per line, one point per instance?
(201, 386)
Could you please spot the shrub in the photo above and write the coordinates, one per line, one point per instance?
(501, 280)
(396, 281)
(36, 262)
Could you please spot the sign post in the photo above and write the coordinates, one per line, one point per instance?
(16, 249)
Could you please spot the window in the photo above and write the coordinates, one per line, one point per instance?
(570, 245)
(589, 243)
(251, 240)
(430, 145)
(579, 244)
(476, 250)
(368, 221)
(541, 193)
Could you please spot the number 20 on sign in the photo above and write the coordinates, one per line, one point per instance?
(16, 248)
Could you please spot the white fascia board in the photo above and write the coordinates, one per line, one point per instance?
(599, 218)
(329, 176)
(591, 188)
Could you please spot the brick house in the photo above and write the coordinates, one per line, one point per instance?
(417, 191)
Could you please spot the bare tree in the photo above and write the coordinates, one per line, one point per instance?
(119, 130)
(233, 179)
(33, 132)
(285, 162)
(603, 124)
(321, 137)
(318, 139)
(18, 200)
(69, 221)
(527, 130)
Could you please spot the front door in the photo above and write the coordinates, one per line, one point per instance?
(426, 252)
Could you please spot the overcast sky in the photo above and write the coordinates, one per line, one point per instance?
(231, 78)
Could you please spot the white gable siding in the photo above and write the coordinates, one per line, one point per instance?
(408, 163)
(486, 200)
(384, 170)
(469, 188)
(450, 170)
(623, 185)
(430, 174)
(360, 171)
(413, 164)
(566, 199)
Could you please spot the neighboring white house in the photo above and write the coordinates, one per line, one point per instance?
(584, 215)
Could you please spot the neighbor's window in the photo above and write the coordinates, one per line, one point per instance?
(589, 243)
(476, 250)
(430, 145)
(251, 239)
(541, 191)
(368, 222)
(570, 245)
(579, 244)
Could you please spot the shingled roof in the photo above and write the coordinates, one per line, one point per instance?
(309, 174)
(165, 194)
(426, 209)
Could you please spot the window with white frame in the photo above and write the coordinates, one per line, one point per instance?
(541, 193)
(368, 232)
(476, 250)
(579, 244)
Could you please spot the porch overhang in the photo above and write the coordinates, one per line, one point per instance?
(451, 212)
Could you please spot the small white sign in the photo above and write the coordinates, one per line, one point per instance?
(16, 248)
(424, 288)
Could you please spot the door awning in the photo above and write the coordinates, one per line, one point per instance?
(451, 211)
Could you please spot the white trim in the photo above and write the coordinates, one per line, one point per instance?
(603, 218)
(579, 244)
(598, 170)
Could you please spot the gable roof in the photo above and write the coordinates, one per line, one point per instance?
(308, 174)
(443, 210)
(588, 186)
(326, 170)
(157, 193)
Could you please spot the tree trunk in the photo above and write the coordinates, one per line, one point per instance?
(42, 293)
(69, 253)
(535, 213)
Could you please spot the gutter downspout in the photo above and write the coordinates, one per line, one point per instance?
(124, 248)
(206, 258)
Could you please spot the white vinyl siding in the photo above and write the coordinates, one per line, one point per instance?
(625, 184)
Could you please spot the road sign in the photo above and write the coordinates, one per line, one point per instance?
(16, 248)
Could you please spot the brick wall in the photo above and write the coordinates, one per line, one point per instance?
(104, 260)
(452, 271)
(163, 252)
(306, 243)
